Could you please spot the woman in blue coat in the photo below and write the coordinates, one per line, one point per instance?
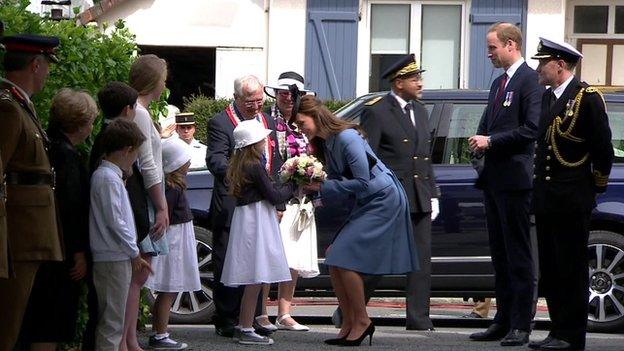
(377, 236)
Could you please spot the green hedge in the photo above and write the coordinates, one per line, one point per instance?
(205, 108)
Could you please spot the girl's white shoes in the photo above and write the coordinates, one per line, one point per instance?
(294, 327)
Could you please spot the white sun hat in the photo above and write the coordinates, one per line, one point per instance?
(175, 153)
(248, 133)
(284, 81)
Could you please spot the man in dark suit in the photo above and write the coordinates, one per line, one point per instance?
(397, 128)
(572, 165)
(505, 138)
(247, 104)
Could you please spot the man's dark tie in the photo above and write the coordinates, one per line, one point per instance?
(552, 100)
(408, 108)
(501, 90)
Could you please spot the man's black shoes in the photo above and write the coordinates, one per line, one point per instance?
(558, 344)
(535, 345)
(226, 331)
(515, 337)
(492, 333)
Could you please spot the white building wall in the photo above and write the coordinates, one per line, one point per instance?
(286, 38)
(203, 23)
(544, 19)
(232, 63)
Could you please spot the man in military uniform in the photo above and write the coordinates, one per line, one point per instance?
(397, 128)
(185, 127)
(572, 164)
(30, 207)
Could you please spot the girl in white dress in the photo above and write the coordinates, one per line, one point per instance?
(255, 254)
(177, 271)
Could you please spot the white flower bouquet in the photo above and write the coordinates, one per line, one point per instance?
(302, 170)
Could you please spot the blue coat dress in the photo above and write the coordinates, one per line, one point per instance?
(377, 236)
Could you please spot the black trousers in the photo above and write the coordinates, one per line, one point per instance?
(564, 281)
(226, 299)
(507, 215)
(419, 282)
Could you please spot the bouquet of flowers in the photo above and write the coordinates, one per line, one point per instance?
(302, 170)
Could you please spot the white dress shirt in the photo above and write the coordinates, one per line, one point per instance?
(403, 104)
(512, 70)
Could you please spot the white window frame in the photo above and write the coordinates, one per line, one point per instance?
(415, 37)
(610, 27)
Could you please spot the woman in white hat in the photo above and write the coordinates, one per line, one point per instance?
(300, 247)
(255, 254)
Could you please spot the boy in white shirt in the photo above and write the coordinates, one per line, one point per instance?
(112, 233)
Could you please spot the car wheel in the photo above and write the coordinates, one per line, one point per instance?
(192, 307)
(606, 281)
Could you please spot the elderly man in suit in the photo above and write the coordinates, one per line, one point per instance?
(30, 206)
(397, 128)
(247, 104)
(506, 137)
(572, 164)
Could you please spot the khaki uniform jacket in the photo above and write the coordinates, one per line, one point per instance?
(31, 214)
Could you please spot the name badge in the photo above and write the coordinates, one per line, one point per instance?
(508, 99)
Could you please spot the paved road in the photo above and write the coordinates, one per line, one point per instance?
(203, 337)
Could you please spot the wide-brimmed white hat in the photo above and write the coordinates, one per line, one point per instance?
(285, 80)
(248, 133)
(175, 153)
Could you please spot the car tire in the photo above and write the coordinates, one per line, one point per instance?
(196, 306)
(606, 281)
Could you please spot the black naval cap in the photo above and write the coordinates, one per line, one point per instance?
(551, 49)
(404, 67)
(34, 44)
(185, 118)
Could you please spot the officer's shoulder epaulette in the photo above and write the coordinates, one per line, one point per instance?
(373, 101)
(591, 90)
(5, 94)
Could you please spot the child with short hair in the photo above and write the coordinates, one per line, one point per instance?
(112, 234)
(255, 254)
(177, 271)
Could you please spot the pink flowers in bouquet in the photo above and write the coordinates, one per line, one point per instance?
(302, 169)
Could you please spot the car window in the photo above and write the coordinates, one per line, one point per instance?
(355, 115)
(463, 124)
(616, 122)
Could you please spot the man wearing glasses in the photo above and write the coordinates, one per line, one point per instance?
(247, 104)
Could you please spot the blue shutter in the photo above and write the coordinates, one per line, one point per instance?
(331, 48)
(483, 14)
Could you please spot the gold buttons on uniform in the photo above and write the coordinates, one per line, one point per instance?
(534, 176)
(426, 158)
(415, 157)
(549, 147)
(534, 155)
(548, 158)
(415, 176)
(548, 168)
(405, 140)
(547, 178)
(426, 178)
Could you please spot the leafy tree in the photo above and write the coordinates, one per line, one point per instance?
(89, 58)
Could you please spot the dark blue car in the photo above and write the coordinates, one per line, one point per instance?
(460, 253)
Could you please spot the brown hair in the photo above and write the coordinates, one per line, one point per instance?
(325, 121)
(242, 160)
(114, 97)
(146, 72)
(177, 178)
(72, 109)
(120, 134)
(507, 31)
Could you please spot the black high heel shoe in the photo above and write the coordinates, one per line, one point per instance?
(370, 330)
(336, 341)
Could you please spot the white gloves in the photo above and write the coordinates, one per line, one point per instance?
(435, 208)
